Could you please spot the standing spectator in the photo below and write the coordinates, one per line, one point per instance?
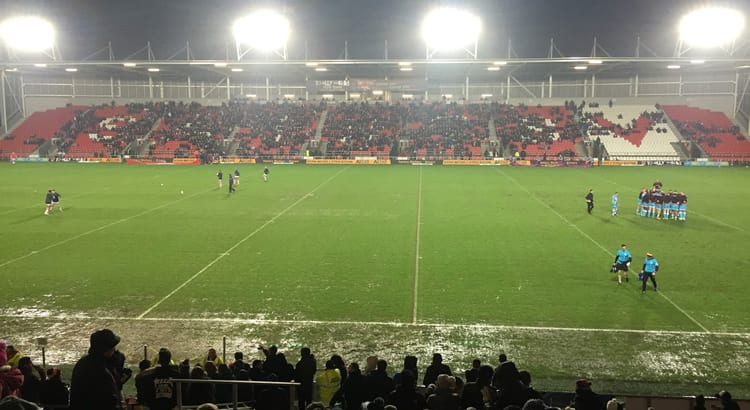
(585, 398)
(54, 392)
(405, 397)
(338, 361)
(238, 364)
(220, 176)
(410, 364)
(329, 382)
(473, 374)
(211, 356)
(650, 267)
(14, 356)
(590, 201)
(304, 373)
(726, 401)
(31, 388)
(199, 392)
(511, 391)
(354, 390)
(501, 358)
(436, 368)
(144, 385)
(93, 386)
(223, 390)
(378, 383)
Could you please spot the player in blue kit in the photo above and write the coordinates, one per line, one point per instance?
(615, 198)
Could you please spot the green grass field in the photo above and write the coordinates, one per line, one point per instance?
(387, 260)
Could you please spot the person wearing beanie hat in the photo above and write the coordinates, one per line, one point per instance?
(93, 386)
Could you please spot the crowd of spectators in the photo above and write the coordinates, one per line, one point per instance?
(98, 377)
(283, 128)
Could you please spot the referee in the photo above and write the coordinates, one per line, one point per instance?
(590, 201)
(650, 267)
(622, 262)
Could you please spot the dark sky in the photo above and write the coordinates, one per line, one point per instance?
(85, 26)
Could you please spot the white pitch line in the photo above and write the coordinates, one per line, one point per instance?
(692, 319)
(86, 317)
(240, 242)
(119, 221)
(416, 252)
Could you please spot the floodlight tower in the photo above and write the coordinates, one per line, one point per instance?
(450, 29)
(28, 34)
(264, 30)
(709, 27)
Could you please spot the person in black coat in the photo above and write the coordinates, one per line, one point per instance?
(435, 369)
(585, 398)
(378, 383)
(54, 392)
(353, 391)
(93, 386)
(304, 374)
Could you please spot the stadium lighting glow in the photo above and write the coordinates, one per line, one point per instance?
(11, 70)
(265, 30)
(697, 61)
(450, 29)
(220, 64)
(407, 96)
(406, 69)
(581, 67)
(129, 64)
(448, 96)
(237, 70)
(153, 70)
(711, 27)
(486, 95)
(327, 95)
(493, 68)
(500, 63)
(311, 64)
(377, 92)
(354, 95)
(71, 70)
(250, 96)
(321, 69)
(289, 96)
(40, 65)
(595, 61)
(27, 33)
(404, 63)
(673, 67)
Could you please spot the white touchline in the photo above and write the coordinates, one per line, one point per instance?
(119, 221)
(87, 318)
(416, 251)
(692, 319)
(240, 242)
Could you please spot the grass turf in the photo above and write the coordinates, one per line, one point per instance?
(469, 261)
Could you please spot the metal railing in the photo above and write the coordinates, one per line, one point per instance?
(235, 385)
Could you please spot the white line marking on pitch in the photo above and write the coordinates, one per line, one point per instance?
(86, 317)
(233, 247)
(416, 252)
(80, 235)
(597, 244)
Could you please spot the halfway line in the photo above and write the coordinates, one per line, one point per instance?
(72, 238)
(233, 247)
(414, 288)
(597, 244)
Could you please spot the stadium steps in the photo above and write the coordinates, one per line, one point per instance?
(581, 150)
(493, 131)
(321, 124)
(46, 149)
(681, 150)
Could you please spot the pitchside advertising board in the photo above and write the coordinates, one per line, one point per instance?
(365, 85)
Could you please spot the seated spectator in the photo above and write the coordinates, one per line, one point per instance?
(436, 368)
(585, 398)
(444, 397)
(199, 392)
(54, 391)
(32, 385)
(405, 397)
(223, 390)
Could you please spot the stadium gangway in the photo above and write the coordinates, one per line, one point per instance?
(235, 384)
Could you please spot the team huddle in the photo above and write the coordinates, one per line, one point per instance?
(654, 203)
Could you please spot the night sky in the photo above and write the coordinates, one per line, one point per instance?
(85, 26)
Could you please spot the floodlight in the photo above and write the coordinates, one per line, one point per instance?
(264, 30)
(377, 92)
(129, 64)
(71, 70)
(28, 33)
(219, 65)
(153, 70)
(237, 70)
(354, 95)
(406, 69)
(711, 27)
(450, 29)
(486, 95)
(697, 61)
(40, 65)
(311, 64)
(500, 63)
(404, 63)
(673, 67)
(581, 67)
(595, 61)
(321, 69)
(250, 96)
(493, 68)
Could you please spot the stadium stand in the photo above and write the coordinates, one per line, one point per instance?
(714, 131)
(632, 132)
